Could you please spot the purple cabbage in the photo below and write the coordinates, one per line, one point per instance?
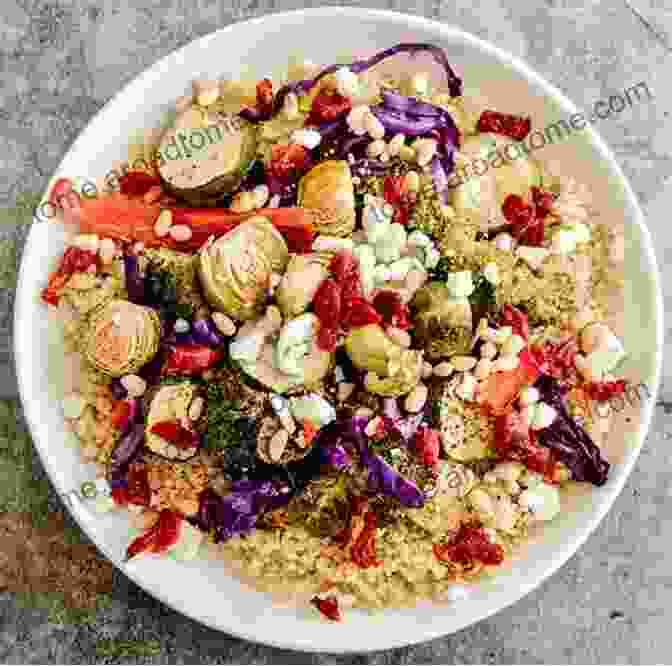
(410, 105)
(128, 445)
(237, 512)
(336, 456)
(440, 178)
(359, 66)
(135, 285)
(205, 332)
(396, 122)
(572, 444)
(118, 390)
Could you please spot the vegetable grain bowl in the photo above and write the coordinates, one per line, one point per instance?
(308, 343)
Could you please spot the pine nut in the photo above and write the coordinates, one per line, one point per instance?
(443, 369)
(463, 363)
(180, 233)
(416, 399)
(224, 323)
(395, 144)
(278, 444)
(134, 384)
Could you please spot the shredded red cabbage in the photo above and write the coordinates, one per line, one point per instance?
(568, 439)
(135, 284)
(204, 332)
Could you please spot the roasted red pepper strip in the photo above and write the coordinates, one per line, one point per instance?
(516, 319)
(265, 97)
(120, 413)
(471, 544)
(74, 260)
(327, 303)
(309, 431)
(175, 433)
(358, 312)
(191, 359)
(289, 161)
(158, 538)
(428, 445)
(328, 607)
(137, 490)
(395, 313)
(137, 183)
(327, 107)
(516, 127)
(363, 550)
(601, 391)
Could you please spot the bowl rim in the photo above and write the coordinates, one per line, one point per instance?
(420, 633)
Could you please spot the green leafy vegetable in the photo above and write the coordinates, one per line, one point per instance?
(484, 292)
(222, 418)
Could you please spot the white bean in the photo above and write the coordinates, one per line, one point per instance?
(416, 399)
(196, 408)
(180, 232)
(488, 351)
(224, 323)
(278, 444)
(463, 363)
(134, 384)
(444, 369)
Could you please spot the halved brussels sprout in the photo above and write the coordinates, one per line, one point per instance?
(235, 269)
(327, 190)
(303, 276)
(121, 337)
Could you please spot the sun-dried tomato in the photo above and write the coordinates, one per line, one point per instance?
(516, 319)
(191, 359)
(120, 413)
(327, 303)
(357, 312)
(556, 358)
(515, 127)
(542, 200)
(327, 107)
(606, 389)
(157, 539)
(363, 550)
(327, 338)
(393, 311)
(265, 97)
(328, 607)
(137, 485)
(289, 161)
(471, 544)
(396, 194)
(137, 183)
(309, 431)
(427, 445)
(74, 260)
(175, 433)
(344, 265)
(525, 225)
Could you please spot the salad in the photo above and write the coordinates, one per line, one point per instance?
(301, 341)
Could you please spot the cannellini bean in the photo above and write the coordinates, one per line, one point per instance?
(224, 323)
(443, 369)
(206, 92)
(594, 336)
(427, 370)
(261, 194)
(416, 399)
(106, 251)
(290, 107)
(488, 351)
(395, 144)
(88, 242)
(463, 363)
(373, 126)
(73, 406)
(483, 369)
(278, 444)
(412, 181)
(180, 232)
(398, 335)
(506, 363)
(375, 148)
(425, 149)
(134, 384)
(196, 408)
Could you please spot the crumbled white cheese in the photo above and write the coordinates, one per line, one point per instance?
(313, 408)
(308, 138)
(347, 82)
(542, 500)
(491, 273)
(332, 244)
(460, 285)
(542, 415)
(246, 348)
(294, 343)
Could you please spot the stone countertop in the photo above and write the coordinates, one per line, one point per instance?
(60, 61)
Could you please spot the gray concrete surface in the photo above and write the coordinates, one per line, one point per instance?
(60, 61)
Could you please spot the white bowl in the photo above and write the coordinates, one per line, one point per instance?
(202, 590)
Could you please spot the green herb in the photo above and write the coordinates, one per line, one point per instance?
(359, 199)
(222, 415)
(183, 311)
(483, 294)
(441, 270)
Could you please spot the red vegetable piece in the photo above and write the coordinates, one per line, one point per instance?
(309, 431)
(327, 303)
(74, 260)
(556, 358)
(604, 390)
(394, 313)
(543, 200)
(428, 445)
(328, 607)
(516, 319)
(120, 413)
(471, 544)
(394, 188)
(344, 265)
(358, 312)
(175, 433)
(525, 226)
(327, 338)
(363, 550)
(137, 183)
(515, 127)
(289, 161)
(191, 359)
(137, 484)
(158, 538)
(265, 97)
(327, 107)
